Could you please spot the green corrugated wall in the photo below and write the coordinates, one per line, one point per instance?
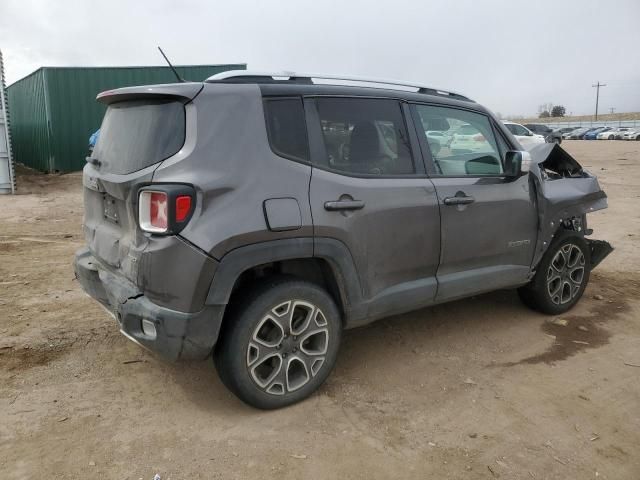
(29, 136)
(54, 110)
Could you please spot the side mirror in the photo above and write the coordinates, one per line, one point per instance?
(516, 163)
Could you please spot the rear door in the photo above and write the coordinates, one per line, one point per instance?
(139, 130)
(489, 222)
(369, 191)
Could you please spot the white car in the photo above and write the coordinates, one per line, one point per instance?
(621, 131)
(632, 134)
(467, 139)
(443, 138)
(611, 134)
(526, 137)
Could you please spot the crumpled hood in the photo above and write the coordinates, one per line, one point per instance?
(564, 190)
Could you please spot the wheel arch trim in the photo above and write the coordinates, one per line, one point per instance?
(334, 252)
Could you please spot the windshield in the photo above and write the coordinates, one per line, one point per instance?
(136, 134)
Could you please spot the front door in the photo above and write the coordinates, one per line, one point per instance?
(369, 190)
(489, 222)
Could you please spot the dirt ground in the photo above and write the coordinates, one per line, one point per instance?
(477, 389)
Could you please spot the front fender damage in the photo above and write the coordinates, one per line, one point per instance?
(565, 193)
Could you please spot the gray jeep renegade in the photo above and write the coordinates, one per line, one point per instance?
(253, 217)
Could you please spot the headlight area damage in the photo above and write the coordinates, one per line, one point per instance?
(565, 193)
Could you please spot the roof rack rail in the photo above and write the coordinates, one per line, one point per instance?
(240, 76)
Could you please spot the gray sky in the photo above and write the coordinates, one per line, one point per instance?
(510, 55)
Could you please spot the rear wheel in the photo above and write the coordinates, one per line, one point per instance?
(562, 276)
(281, 345)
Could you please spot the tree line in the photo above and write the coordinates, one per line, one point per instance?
(547, 110)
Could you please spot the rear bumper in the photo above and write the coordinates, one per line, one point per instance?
(179, 335)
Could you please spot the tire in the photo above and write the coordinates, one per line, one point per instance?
(283, 322)
(561, 277)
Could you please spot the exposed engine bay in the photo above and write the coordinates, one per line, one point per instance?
(565, 193)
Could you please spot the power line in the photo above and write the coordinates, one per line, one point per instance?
(597, 87)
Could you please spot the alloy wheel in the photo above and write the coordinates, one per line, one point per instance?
(565, 274)
(288, 347)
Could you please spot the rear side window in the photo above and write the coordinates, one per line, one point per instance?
(137, 134)
(286, 128)
(365, 136)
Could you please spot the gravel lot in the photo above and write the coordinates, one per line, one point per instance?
(476, 389)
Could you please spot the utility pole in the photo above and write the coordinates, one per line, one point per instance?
(612, 110)
(597, 87)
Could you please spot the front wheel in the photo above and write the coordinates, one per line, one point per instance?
(561, 277)
(281, 345)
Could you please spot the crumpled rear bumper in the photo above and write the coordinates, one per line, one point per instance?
(178, 335)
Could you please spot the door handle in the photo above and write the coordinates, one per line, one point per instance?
(459, 200)
(344, 205)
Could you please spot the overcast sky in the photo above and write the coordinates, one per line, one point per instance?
(510, 55)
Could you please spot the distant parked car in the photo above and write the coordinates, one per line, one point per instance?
(525, 136)
(550, 135)
(621, 131)
(593, 134)
(577, 133)
(633, 134)
(564, 130)
(581, 135)
(612, 134)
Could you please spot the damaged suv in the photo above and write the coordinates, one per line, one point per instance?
(252, 217)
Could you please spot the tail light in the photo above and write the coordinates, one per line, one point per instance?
(165, 209)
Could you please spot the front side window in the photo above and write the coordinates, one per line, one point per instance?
(287, 128)
(461, 142)
(365, 136)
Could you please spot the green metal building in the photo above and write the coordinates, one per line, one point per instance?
(54, 109)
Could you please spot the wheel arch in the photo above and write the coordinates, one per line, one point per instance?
(323, 261)
(576, 224)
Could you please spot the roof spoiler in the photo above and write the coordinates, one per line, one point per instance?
(182, 91)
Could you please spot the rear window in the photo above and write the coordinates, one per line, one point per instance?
(137, 134)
